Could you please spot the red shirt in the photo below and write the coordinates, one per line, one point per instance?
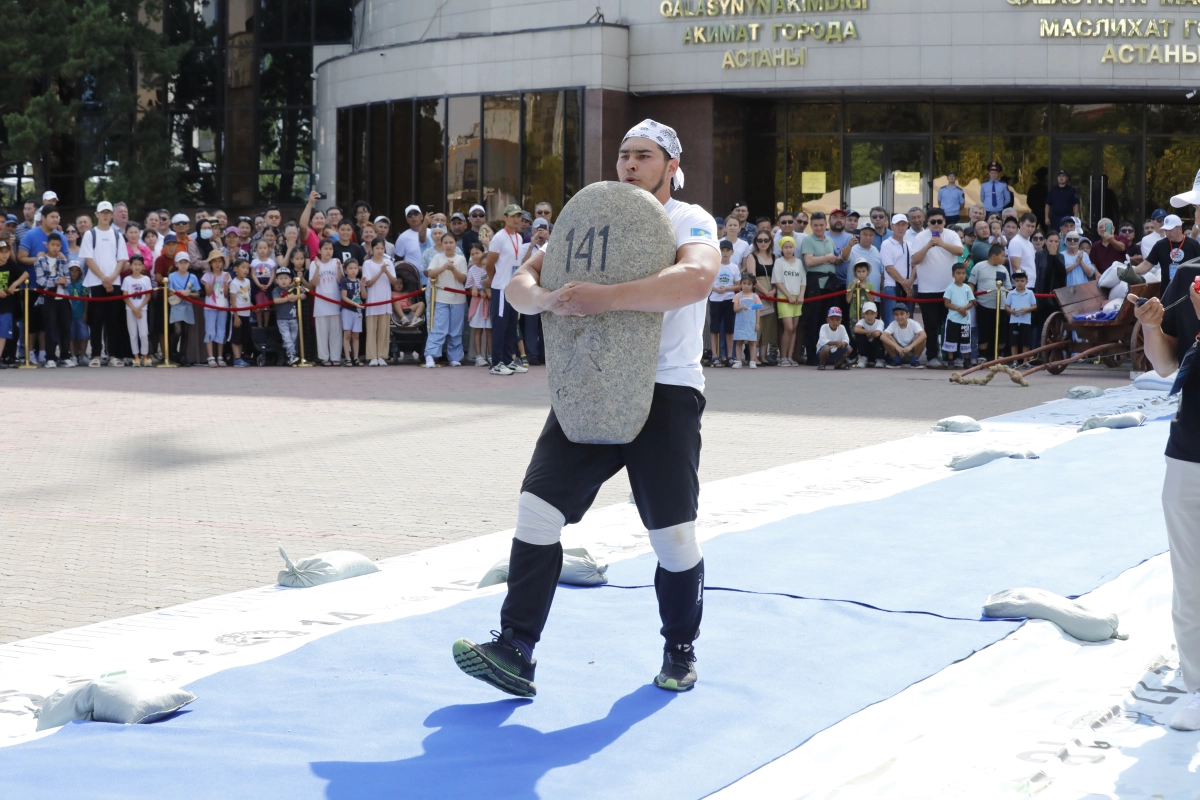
(1103, 255)
(164, 265)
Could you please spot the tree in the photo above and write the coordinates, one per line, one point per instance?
(89, 74)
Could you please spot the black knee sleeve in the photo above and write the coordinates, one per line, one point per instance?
(680, 603)
(533, 571)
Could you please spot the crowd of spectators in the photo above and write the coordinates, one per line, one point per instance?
(912, 287)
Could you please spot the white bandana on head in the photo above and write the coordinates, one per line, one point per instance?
(665, 137)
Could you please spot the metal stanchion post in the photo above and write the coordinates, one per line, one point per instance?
(166, 340)
(999, 305)
(27, 365)
(300, 327)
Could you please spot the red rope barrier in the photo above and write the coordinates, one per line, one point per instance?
(368, 305)
(87, 299)
(230, 309)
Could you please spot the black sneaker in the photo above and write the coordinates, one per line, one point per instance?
(498, 662)
(678, 669)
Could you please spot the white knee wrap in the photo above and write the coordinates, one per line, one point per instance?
(538, 522)
(676, 547)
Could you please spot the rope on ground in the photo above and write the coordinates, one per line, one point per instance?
(993, 371)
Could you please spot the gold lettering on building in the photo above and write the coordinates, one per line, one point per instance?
(763, 58)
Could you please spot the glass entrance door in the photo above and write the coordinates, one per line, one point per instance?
(1107, 173)
(891, 172)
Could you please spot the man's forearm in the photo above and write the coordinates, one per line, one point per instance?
(675, 287)
(523, 292)
(1159, 350)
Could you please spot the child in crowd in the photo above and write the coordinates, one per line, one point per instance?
(447, 270)
(1019, 303)
(720, 306)
(858, 291)
(481, 296)
(833, 343)
(959, 299)
(745, 325)
(241, 290)
(324, 277)
(216, 322)
(352, 318)
(285, 300)
(80, 333)
(903, 339)
(983, 279)
(52, 271)
(868, 337)
(379, 275)
(182, 316)
(789, 278)
(137, 309)
(262, 273)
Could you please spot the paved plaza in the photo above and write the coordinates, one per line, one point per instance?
(131, 490)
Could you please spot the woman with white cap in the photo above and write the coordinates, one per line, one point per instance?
(662, 461)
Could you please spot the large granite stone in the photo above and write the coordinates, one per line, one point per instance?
(601, 368)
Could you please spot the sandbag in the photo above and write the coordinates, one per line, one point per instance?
(959, 424)
(120, 700)
(981, 457)
(328, 567)
(1074, 618)
(1153, 382)
(1085, 392)
(1130, 420)
(497, 574)
(579, 569)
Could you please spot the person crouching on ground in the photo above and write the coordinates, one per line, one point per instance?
(868, 337)
(903, 339)
(833, 343)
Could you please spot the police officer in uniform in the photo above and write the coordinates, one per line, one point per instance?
(995, 194)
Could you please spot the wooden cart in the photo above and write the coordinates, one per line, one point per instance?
(1113, 340)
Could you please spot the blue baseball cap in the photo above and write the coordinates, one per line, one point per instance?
(720, 221)
(1158, 213)
(11, 218)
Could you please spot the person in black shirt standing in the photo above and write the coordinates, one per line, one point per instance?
(344, 249)
(1061, 201)
(1170, 329)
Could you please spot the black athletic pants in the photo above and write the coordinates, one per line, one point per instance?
(56, 320)
(504, 330)
(986, 320)
(933, 317)
(107, 320)
(870, 349)
(662, 462)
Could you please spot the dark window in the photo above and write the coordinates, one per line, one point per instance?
(501, 152)
(542, 172)
(572, 145)
(358, 156)
(814, 118)
(285, 77)
(297, 26)
(463, 132)
(344, 137)
(334, 22)
(402, 158)
(285, 147)
(431, 153)
(887, 117)
(1020, 117)
(960, 118)
(1098, 118)
(377, 178)
(1172, 118)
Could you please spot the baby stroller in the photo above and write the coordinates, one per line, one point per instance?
(407, 340)
(268, 343)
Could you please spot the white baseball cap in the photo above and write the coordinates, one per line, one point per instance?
(48, 196)
(412, 208)
(869, 306)
(178, 218)
(103, 205)
(899, 218)
(476, 206)
(1188, 198)
(382, 218)
(181, 256)
(1171, 222)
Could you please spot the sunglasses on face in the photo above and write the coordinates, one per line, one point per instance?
(936, 222)
(878, 216)
(477, 215)
(413, 214)
(787, 222)
(543, 213)
(1126, 230)
(1039, 238)
(763, 241)
(801, 222)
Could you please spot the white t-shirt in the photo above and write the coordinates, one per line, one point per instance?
(239, 291)
(904, 336)
(263, 270)
(1148, 241)
(862, 327)
(446, 280)
(104, 252)
(682, 342)
(220, 288)
(507, 248)
(130, 284)
(829, 335)
(791, 274)
(382, 288)
(1022, 248)
(408, 247)
(728, 278)
(325, 285)
(910, 236)
(934, 272)
(897, 256)
(799, 237)
(741, 249)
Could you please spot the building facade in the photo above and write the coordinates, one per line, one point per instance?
(792, 104)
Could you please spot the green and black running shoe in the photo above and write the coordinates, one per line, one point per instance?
(498, 662)
(678, 669)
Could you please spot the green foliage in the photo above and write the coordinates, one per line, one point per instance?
(91, 71)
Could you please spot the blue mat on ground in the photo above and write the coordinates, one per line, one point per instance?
(1067, 522)
(381, 710)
